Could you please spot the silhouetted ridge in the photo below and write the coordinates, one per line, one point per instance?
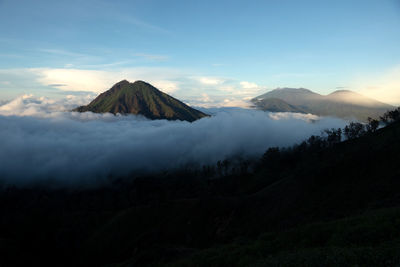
(141, 98)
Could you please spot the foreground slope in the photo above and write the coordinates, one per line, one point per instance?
(341, 103)
(143, 99)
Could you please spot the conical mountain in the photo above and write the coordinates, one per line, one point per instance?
(143, 99)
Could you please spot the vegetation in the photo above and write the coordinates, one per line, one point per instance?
(332, 200)
(144, 99)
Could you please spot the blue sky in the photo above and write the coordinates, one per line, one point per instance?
(204, 52)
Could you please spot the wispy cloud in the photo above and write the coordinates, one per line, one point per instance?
(152, 57)
(57, 85)
(75, 59)
(218, 64)
(142, 24)
(62, 52)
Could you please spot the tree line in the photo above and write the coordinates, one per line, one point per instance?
(330, 137)
(314, 144)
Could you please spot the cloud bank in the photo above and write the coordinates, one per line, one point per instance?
(43, 142)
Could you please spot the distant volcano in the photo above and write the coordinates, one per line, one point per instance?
(144, 99)
(342, 103)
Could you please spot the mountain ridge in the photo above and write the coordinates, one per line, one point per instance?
(341, 103)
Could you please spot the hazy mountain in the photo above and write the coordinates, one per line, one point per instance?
(341, 103)
(144, 99)
(277, 105)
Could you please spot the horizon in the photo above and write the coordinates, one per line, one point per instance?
(206, 54)
(250, 104)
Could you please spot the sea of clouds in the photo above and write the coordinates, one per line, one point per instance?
(43, 141)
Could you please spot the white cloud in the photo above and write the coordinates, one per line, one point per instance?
(232, 102)
(74, 79)
(76, 148)
(99, 81)
(168, 87)
(248, 85)
(210, 80)
(298, 116)
(42, 107)
(205, 97)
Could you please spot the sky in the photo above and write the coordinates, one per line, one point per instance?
(206, 53)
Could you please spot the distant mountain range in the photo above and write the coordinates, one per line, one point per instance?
(341, 103)
(143, 99)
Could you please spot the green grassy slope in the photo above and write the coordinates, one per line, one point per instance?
(144, 99)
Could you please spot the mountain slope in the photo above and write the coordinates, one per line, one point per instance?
(277, 105)
(342, 103)
(293, 96)
(141, 98)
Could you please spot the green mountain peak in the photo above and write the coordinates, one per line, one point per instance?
(141, 98)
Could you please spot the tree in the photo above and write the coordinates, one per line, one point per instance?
(333, 136)
(391, 116)
(354, 130)
(273, 154)
(372, 125)
(316, 142)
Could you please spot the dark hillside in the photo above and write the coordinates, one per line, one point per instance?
(311, 203)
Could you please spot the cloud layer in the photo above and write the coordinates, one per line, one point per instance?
(43, 142)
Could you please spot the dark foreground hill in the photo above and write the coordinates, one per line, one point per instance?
(310, 205)
(341, 103)
(143, 99)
